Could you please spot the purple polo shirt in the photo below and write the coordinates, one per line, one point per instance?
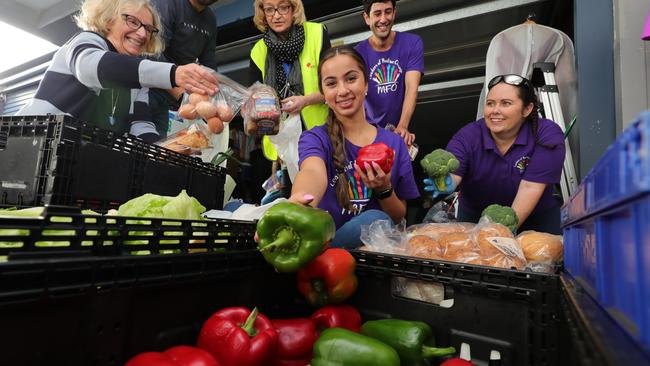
(316, 142)
(489, 177)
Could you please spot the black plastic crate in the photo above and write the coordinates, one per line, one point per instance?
(59, 160)
(514, 312)
(65, 232)
(110, 308)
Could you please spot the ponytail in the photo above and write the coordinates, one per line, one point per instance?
(335, 133)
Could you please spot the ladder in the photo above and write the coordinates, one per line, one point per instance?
(546, 88)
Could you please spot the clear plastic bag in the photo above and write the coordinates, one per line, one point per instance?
(434, 230)
(286, 143)
(441, 212)
(498, 246)
(382, 236)
(261, 111)
(190, 140)
(543, 251)
(217, 109)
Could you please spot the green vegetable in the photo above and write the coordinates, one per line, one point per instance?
(437, 164)
(152, 205)
(291, 235)
(341, 347)
(413, 340)
(503, 215)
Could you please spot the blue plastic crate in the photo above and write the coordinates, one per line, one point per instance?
(622, 174)
(575, 208)
(609, 254)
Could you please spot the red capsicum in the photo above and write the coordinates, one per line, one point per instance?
(337, 316)
(175, 356)
(296, 338)
(329, 278)
(379, 153)
(239, 337)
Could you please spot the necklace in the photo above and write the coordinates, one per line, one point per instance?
(111, 118)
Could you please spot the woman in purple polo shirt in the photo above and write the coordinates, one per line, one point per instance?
(328, 176)
(510, 157)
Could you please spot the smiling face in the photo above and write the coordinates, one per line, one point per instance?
(127, 40)
(343, 85)
(504, 110)
(278, 22)
(380, 19)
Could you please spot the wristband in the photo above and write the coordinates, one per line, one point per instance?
(384, 194)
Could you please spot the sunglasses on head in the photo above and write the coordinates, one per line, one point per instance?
(511, 79)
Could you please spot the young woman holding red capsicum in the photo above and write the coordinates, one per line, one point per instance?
(329, 178)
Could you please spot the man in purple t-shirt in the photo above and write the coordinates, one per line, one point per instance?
(316, 142)
(395, 62)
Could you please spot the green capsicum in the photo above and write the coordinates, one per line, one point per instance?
(291, 235)
(413, 340)
(341, 347)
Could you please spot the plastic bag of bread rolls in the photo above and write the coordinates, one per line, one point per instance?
(459, 247)
(423, 246)
(497, 246)
(435, 230)
(543, 251)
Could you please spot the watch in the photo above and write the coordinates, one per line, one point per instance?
(384, 194)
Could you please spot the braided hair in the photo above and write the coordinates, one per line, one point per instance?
(334, 127)
(527, 95)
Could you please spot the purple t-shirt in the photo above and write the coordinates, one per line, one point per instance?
(386, 76)
(489, 177)
(316, 142)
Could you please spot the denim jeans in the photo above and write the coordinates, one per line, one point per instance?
(348, 236)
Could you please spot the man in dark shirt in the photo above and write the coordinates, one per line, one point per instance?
(190, 35)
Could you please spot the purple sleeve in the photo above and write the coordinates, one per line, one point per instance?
(457, 147)
(405, 187)
(311, 144)
(416, 55)
(546, 164)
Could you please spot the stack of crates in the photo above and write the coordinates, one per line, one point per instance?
(56, 159)
(607, 231)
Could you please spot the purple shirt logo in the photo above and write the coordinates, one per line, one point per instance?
(522, 163)
(386, 73)
(358, 193)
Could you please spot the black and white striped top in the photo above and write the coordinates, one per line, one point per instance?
(89, 80)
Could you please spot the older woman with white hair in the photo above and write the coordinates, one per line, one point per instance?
(100, 75)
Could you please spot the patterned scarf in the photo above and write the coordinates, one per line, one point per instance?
(284, 51)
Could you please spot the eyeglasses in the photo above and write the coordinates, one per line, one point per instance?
(135, 24)
(511, 79)
(283, 9)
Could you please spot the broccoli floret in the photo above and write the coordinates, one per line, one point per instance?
(437, 164)
(503, 215)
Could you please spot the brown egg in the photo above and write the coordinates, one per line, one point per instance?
(224, 111)
(206, 109)
(196, 98)
(187, 111)
(215, 125)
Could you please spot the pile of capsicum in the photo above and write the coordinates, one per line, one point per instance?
(333, 335)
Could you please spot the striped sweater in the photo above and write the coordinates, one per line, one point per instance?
(89, 80)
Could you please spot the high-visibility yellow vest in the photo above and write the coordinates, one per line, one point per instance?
(312, 115)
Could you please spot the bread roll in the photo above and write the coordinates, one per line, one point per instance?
(435, 230)
(458, 247)
(424, 247)
(490, 230)
(540, 247)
